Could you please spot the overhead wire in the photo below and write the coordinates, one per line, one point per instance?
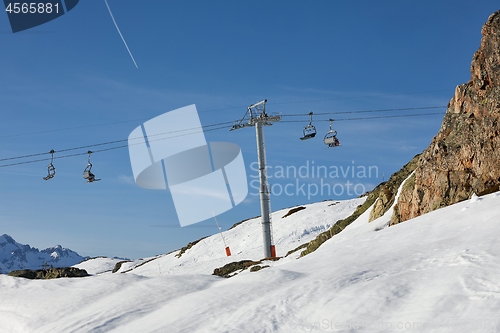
(68, 128)
(207, 128)
(365, 118)
(355, 97)
(118, 141)
(366, 111)
(226, 108)
(100, 150)
(328, 99)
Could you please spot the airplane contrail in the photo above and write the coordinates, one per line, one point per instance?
(123, 39)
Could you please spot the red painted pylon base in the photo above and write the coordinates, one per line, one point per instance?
(273, 251)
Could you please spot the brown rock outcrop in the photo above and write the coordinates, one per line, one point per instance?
(464, 157)
(389, 189)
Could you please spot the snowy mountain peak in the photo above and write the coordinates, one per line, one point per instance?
(14, 255)
(6, 239)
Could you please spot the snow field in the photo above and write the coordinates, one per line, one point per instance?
(436, 273)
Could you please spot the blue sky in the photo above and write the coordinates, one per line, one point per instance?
(70, 76)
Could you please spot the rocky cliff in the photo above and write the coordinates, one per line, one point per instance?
(464, 157)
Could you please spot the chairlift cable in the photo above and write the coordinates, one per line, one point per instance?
(329, 99)
(364, 111)
(356, 97)
(118, 141)
(100, 150)
(169, 137)
(69, 128)
(367, 118)
(229, 108)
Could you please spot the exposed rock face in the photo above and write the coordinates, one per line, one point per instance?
(233, 268)
(119, 265)
(51, 273)
(389, 189)
(187, 247)
(464, 157)
(381, 197)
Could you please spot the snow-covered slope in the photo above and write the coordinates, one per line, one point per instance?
(99, 265)
(245, 240)
(436, 273)
(18, 256)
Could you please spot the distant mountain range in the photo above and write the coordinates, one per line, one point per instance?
(14, 256)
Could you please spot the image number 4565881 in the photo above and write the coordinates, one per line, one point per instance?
(29, 14)
(32, 8)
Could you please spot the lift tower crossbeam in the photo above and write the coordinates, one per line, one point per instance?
(256, 116)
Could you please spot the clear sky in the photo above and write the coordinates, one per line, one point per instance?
(64, 82)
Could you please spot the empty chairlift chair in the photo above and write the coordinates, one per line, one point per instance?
(331, 137)
(50, 168)
(309, 130)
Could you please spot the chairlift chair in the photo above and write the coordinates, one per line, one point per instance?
(309, 130)
(51, 168)
(87, 173)
(331, 137)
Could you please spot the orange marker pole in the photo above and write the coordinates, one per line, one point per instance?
(228, 250)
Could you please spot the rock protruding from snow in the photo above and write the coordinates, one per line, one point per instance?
(51, 273)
